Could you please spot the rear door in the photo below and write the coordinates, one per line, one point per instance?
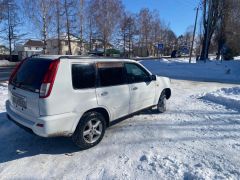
(25, 86)
(113, 91)
(142, 90)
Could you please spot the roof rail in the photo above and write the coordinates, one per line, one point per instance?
(83, 57)
(75, 57)
(34, 55)
(72, 56)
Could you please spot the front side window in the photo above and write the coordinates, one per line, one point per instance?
(111, 74)
(83, 76)
(135, 73)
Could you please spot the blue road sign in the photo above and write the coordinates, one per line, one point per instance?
(160, 46)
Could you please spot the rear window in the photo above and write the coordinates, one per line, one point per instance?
(83, 76)
(31, 73)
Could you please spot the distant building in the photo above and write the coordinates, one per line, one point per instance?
(96, 47)
(98, 44)
(4, 50)
(30, 48)
(52, 45)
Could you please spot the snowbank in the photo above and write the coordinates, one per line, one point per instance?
(228, 97)
(7, 63)
(3, 96)
(216, 71)
(237, 58)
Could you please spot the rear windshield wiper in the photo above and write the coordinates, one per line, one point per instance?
(28, 88)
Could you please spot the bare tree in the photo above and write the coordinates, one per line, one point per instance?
(11, 22)
(123, 26)
(81, 18)
(3, 9)
(70, 12)
(90, 22)
(58, 15)
(156, 29)
(144, 21)
(212, 11)
(107, 16)
(184, 41)
(40, 12)
(227, 32)
(170, 40)
(128, 30)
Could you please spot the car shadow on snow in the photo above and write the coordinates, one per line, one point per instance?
(15, 143)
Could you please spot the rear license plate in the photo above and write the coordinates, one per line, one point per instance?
(19, 101)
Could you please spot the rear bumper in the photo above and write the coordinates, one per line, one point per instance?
(52, 126)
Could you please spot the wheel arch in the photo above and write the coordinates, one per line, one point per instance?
(100, 110)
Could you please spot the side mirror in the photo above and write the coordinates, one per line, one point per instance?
(153, 77)
(150, 78)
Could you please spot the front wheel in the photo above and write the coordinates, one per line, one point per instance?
(90, 130)
(162, 104)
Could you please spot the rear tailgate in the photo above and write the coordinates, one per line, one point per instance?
(25, 86)
(23, 102)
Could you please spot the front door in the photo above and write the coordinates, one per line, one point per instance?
(142, 90)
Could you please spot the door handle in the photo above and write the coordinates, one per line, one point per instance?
(134, 89)
(104, 93)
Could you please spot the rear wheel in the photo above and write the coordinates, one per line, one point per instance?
(90, 130)
(162, 103)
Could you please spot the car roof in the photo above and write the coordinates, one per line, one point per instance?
(83, 58)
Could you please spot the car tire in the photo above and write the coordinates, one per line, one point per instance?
(162, 103)
(90, 130)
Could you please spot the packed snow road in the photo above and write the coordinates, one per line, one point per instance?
(194, 139)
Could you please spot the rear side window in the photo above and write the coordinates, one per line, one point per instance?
(31, 73)
(111, 74)
(83, 76)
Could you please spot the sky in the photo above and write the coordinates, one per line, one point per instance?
(180, 14)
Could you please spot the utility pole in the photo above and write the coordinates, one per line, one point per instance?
(194, 31)
(9, 30)
(208, 26)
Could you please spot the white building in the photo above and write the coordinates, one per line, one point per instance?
(30, 48)
(52, 45)
(4, 50)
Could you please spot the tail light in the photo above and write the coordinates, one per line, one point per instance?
(14, 72)
(49, 79)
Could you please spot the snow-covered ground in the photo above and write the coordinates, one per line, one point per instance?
(229, 97)
(7, 63)
(197, 138)
(226, 71)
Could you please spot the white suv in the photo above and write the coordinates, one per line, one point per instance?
(80, 97)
